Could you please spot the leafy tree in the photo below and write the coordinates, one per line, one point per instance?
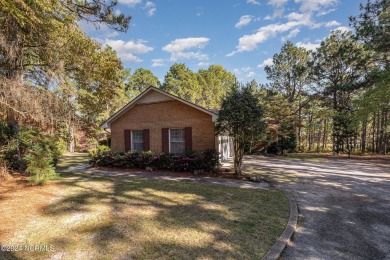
(340, 67)
(241, 117)
(372, 25)
(52, 75)
(182, 82)
(372, 28)
(277, 113)
(290, 75)
(100, 86)
(283, 143)
(141, 80)
(34, 31)
(48, 65)
(214, 84)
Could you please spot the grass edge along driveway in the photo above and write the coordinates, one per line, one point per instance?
(124, 217)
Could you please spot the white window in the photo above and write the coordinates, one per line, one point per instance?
(176, 141)
(137, 141)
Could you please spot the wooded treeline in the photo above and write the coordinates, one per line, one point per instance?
(55, 78)
(337, 97)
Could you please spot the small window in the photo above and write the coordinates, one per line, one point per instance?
(176, 141)
(137, 141)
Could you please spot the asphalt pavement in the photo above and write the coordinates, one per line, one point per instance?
(343, 205)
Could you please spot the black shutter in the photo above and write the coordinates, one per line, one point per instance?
(165, 140)
(188, 139)
(127, 140)
(146, 139)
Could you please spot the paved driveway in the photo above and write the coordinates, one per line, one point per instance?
(344, 206)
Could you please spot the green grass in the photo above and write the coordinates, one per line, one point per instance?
(72, 160)
(134, 218)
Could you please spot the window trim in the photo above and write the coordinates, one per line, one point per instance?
(169, 139)
(132, 140)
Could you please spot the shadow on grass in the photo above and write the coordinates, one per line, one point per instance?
(123, 217)
(72, 160)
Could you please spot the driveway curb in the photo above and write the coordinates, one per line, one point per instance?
(288, 232)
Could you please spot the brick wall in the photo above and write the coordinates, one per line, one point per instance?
(169, 114)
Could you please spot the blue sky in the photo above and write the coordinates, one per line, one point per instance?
(240, 35)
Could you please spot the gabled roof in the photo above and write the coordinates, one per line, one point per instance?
(124, 109)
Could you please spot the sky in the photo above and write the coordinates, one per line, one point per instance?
(240, 35)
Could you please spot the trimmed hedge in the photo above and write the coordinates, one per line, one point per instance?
(208, 161)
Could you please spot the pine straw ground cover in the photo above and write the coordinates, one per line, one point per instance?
(92, 217)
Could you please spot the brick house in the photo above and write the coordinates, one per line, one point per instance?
(161, 122)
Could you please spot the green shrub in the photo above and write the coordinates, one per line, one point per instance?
(208, 161)
(17, 141)
(99, 149)
(40, 164)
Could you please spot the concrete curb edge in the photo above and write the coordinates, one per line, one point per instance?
(277, 249)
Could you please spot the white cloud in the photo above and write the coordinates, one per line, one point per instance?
(151, 11)
(277, 3)
(126, 50)
(295, 20)
(267, 62)
(277, 13)
(245, 71)
(253, 2)
(178, 48)
(158, 63)
(294, 16)
(244, 20)
(315, 5)
(308, 45)
(291, 35)
(130, 3)
(150, 7)
(304, 19)
(203, 64)
(149, 4)
(250, 42)
(342, 29)
(325, 12)
(251, 74)
(186, 43)
(279, 9)
(237, 71)
(332, 24)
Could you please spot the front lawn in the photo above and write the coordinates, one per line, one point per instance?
(134, 218)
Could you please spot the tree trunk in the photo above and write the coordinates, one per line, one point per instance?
(238, 155)
(325, 135)
(382, 136)
(311, 132)
(378, 134)
(318, 135)
(386, 135)
(334, 139)
(364, 135)
(299, 135)
(71, 140)
(373, 133)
